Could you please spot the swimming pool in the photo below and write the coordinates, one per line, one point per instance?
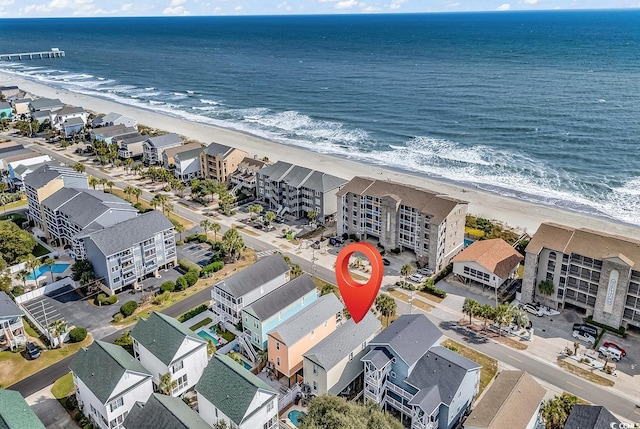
(43, 269)
(467, 242)
(205, 335)
(294, 415)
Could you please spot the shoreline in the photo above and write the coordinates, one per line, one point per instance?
(519, 214)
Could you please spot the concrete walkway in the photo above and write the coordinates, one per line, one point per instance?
(49, 410)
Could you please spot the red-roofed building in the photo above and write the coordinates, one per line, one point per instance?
(488, 262)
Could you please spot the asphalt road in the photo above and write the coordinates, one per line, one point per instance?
(542, 370)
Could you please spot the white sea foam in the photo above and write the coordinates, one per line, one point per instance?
(205, 101)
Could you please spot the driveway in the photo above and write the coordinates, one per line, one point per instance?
(49, 410)
(629, 364)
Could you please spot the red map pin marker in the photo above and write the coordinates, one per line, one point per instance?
(359, 297)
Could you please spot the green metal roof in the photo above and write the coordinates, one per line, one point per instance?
(101, 366)
(162, 336)
(15, 412)
(163, 411)
(230, 387)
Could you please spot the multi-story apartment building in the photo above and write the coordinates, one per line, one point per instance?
(405, 217)
(245, 177)
(294, 190)
(153, 147)
(168, 156)
(44, 182)
(130, 250)
(218, 161)
(592, 270)
(130, 145)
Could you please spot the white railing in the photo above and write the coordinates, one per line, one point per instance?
(45, 289)
(285, 399)
(399, 390)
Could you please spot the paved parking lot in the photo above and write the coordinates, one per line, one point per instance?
(200, 253)
(629, 364)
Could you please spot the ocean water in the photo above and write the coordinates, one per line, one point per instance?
(544, 106)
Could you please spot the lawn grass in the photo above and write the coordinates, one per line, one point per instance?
(585, 373)
(416, 302)
(321, 283)
(14, 367)
(15, 204)
(40, 250)
(489, 364)
(145, 205)
(200, 324)
(63, 386)
(227, 335)
(30, 331)
(429, 296)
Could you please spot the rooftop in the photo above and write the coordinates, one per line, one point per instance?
(165, 140)
(15, 413)
(8, 308)
(281, 298)
(254, 276)
(344, 340)
(69, 110)
(47, 173)
(303, 322)
(301, 177)
(173, 151)
(438, 206)
(217, 149)
(495, 255)
(45, 103)
(162, 411)
(590, 417)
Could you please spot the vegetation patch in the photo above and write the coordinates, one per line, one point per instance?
(63, 386)
(192, 313)
(584, 373)
(489, 364)
(200, 324)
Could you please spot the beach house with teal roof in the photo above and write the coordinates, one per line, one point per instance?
(108, 383)
(162, 411)
(276, 307)
(6, 112)
(15, 413)
(228, 393)
(165, 346)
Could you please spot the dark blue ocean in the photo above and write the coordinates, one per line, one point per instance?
(540, 105)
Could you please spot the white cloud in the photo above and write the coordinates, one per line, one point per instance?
(395, 4)
(453, 5)
(530, 1)
(175, 3)
(127, 6)
(368, 9)
(504, 6)
(175, 11)
(346, 4)
(238, 8)
(286, 6)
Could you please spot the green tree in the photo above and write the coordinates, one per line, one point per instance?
(520, 317)
(15, 243)
(269, 217)
(386, 306)
(79, 167)
(136, 192)
(81, 267)
(576, 347)
(110, 184)
(166, 384)
(312, 215)
(22, 275)
(93, 182)
(546, 287)
(178, 227)
(406, 270)
(486, 312)
(471, 308)
(128, 191)
(206, 225)
(215, 227)
(232, 243)
(57, 328)
(220, 424)
(211, 348)
(225, 201)
(296, 271)
(555, 411)
(32, 263)
(126, 341)
(255, 210)
(331, 412)
(49, 262)
(503, 316)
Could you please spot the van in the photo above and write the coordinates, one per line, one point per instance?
(614, 354)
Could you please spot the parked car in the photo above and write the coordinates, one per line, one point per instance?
(336, 241)
(586, 328)
(585, 337)
(279, 219)
(416, 278)
(608, 344)
(386, 262)
(425, 271)
(33, 350)
(530, 308)
(610, 352)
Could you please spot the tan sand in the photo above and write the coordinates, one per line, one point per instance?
(522, 215)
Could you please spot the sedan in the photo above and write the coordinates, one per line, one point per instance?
(33, 351)
(530, 308)
(614, 346)
(425, 271)
(416, 278)
(583, 336)
(386, 262)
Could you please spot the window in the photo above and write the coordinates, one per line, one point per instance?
(114, 269)
(315, 369)
(116, 404)
(277, 345)
(315, 386)
(392, 374)
(313, 334)
(182, 383)
(350, 356)
(269, 406)
(277, 360)
(177, 367)
(117, 422)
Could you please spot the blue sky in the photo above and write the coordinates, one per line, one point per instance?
(69, 8)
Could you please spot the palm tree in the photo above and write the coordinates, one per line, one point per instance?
(296, 271)
(503, 316)
(486, 311)
(57, 328)
(546, 287)
(32, 263)
(232, 243)
(211, 348)
(128, 191)
(386, 306)
(179, 229)
(312, 215)
(470, 307)
(576, 347)
(93, 182)
(110, 184)
(255, 210)
(167, 207)
(136, 192)
(166, 384)
(269, 216)
(137, 169)
(103, 181)
(520, 317)
(128, 163)
(22, 275)
(159, 200)
(79, 167)
(206, 225)
(215, 227)
(406, 271)
(50, 262)
(555, 411)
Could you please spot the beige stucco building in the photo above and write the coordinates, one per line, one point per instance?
(219, 161)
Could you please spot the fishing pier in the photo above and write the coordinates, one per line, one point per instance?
(53, 53)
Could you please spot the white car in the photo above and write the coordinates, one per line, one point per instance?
(530, 308)
(583, 336)
(416, 278)
(425, 271)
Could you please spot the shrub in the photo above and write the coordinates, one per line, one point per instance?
(395, 251)
(168, 286)
(118, 317)
(212, 267)
(390, 289)
(103, 299)
(179, 243)
(345, 236)
(432, 290)
(192, 313)
(352, 237)
(162, 298)
(181, 283)
(77, 334)
(167, 188)
(187, 265)
(191, 277)
(444, 273)
(128, 308)
(190, 238)
(202, 238)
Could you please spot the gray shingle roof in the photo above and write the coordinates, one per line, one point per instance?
(110, 117)
(72, 122)
(58, 198)
(335, 347)
(590, 417)
(84, 206)
(45, 103)
(162, 336)
(438, 376)
(162, 411)
(230, 387)
(214, 149)
(8, 308)
(297, 176)
(193, 153)
(69, 110)
(47, 173)
(41, 115)
(165, 140)
(410, 336)
(4, 105)
(15, 413)
(254, 276)
(379, 357)
(303, 322)
(125, 234)
(101, 366)
(282, 297)
(130, 138)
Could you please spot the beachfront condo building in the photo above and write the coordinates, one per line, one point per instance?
(591, 270)
(403, 217)
(128, 251)
(296, 191)
(184, 160)
(66, 114)
(130, 145)
(218, 161)
(245, 177)
(154, 147)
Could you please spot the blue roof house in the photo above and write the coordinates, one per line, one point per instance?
(276, 307)
(409, 373)
(6, 109)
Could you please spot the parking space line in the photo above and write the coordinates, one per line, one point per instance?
(574, 385)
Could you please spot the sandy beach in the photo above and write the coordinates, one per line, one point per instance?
(522, 215)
